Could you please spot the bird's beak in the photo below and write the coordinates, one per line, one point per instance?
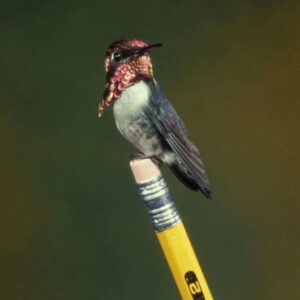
(146, 49)
(152, 46)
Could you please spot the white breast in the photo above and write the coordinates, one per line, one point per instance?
(132, 101)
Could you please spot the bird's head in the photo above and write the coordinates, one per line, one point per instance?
(126, 62)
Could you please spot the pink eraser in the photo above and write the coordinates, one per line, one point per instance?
(144, 170)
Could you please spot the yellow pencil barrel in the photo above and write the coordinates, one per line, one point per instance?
(183, 263)
(170, 231)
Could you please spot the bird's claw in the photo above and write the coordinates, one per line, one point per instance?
(139, 156)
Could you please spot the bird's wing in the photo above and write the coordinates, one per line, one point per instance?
(173, 131)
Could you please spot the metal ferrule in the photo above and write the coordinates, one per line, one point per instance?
(160, 207)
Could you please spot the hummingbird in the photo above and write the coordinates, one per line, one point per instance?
(145, 116)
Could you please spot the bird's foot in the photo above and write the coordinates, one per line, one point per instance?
(138, 156)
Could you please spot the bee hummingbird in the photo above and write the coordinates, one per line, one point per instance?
(144, 115)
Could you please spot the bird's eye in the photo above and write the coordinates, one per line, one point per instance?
(117, 56)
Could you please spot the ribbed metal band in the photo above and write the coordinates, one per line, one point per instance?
(160, 207)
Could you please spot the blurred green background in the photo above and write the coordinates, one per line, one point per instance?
(72, 226)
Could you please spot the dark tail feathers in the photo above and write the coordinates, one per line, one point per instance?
(183, 175)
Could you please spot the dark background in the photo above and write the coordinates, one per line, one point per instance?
(72, 226)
